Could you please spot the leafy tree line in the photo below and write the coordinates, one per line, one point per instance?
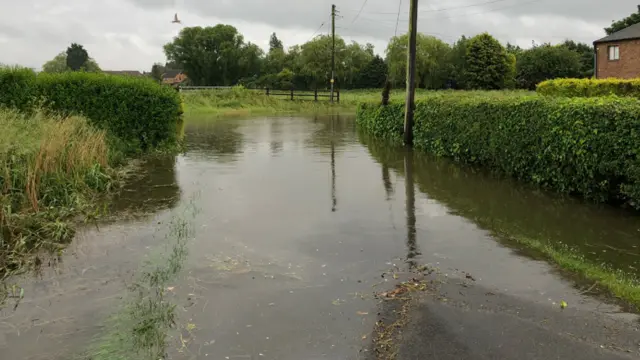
(220, 56)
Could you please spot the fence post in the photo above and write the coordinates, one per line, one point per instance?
(338, 96)
(291, 93)
(267, 91)
(315, 94)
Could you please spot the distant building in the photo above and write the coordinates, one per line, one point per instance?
(123, 72)
(174, 77)
(618, 55)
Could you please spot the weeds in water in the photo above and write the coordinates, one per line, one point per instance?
(140, 330)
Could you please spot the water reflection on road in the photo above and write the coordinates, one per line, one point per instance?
(301, 218)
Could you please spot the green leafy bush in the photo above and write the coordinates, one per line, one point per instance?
(581, 146)
(589, 87)
(17, 88)
(138, 112)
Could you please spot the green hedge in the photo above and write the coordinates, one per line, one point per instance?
(589, 87)
(137, 111)
(585, 146)
(17, 88)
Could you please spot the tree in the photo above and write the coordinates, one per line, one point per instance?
(457, 63)
(373, 75)
(315, 59)
(156, 71)
(513, 49)
(77, 57)
(431, 61)
(59, 64)
(487, 63)
(214, 55)
(510, 81)
(586, 53)
(275, 43)
(624, 23)
(546, 62)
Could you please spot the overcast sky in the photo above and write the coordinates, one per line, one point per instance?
(129, 34)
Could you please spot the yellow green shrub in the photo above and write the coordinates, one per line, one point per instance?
(589, 87)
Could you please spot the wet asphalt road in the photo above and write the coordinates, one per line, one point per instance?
(469, 321)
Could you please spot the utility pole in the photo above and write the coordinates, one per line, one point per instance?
(411, 74)
(333, 47)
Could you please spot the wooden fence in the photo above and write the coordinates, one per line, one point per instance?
(287, 94)
(305, 95)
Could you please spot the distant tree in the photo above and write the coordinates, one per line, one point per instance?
(513, 49)
(546, 62)
(373, 75)
(275, 43)
(77, 57)
(59, 64)
(431, 61)
(624, 23)
(487, 63)
(510, 81)
(457, 63)
(157, 70)
(214, 55)
(586, 53)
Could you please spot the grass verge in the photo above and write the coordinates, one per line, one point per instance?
(51, 171)
(619, 284)
(246, 102)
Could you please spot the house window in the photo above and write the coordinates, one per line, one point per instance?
(614, 52)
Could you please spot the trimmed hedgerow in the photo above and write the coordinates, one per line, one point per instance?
(589, 87)
(581, 146)
(139, 112)
(17, 88)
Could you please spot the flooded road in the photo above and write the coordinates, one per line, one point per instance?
(300, 221)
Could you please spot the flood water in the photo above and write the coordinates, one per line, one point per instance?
(300, 220)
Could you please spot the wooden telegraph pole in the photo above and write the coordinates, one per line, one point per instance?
(333, 48)
(411, 74)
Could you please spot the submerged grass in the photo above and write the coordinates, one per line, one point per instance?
(140, 330)
(619, 284)
(51, 170)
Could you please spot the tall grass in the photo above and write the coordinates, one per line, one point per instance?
(51, 169)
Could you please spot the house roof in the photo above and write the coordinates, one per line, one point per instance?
(170, 74)
(123, 72)
(629, 33)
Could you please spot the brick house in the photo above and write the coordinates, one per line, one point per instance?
(618, 55)
(174, 77)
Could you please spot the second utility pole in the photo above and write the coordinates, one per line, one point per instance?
(333, 48)
(411, 74)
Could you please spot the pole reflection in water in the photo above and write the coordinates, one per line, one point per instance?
(334, 199)
(386, 181)
(410, 208)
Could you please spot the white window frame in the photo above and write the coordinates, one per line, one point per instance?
(613, 52)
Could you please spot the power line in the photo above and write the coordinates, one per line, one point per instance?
(398, 19)
(314, 34)
(487, 11)
(359, 12)
(443, 9)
